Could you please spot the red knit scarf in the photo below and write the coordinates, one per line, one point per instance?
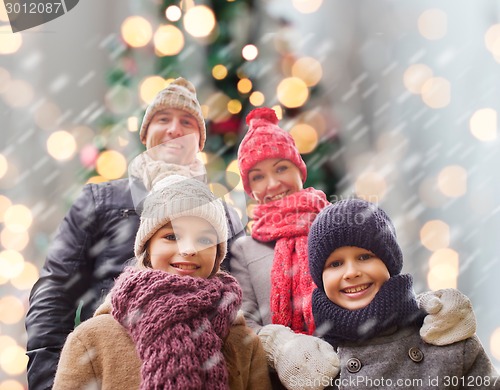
(287, 221)
(178, 324)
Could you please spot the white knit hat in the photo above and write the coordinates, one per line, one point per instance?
(177, 196)
(179, 94)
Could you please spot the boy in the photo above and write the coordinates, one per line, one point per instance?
(367, 310)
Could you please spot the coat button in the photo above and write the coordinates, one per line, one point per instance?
(416, 354)
(353, 365)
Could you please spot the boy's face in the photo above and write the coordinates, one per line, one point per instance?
(352, 277)
(185, 246)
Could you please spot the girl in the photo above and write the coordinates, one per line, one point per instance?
(171, 321)
(368, 310)
(272, 266)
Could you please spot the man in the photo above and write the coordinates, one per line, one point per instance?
(96, 237)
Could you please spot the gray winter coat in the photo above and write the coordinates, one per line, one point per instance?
(251, 265)
(403, 361)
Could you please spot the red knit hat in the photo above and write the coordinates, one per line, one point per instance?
(265, 140)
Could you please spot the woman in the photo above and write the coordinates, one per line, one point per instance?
(171, 321)
(272, 266)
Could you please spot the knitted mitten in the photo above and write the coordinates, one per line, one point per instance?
(300, 360)
(450, 317)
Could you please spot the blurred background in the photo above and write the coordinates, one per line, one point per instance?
(393, 101)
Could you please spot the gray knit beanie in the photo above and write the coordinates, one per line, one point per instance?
(352, 222)
(179, 94)
(177, 196)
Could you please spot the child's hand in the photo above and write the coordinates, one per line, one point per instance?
(450, 317)
(301, 361)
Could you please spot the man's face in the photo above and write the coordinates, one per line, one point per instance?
(178, 134)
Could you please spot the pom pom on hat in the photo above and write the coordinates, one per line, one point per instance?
(352, 222)
(265, 140)
(179, 94)
(177, 196)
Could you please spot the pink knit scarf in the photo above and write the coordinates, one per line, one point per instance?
(178, 324)
(287, 221)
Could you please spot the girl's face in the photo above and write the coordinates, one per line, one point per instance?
(352, 276)
(273, 179)
(184, 246)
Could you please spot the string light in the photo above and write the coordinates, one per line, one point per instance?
(249, 52)
(415, 77)
(111, 164)
(433, 24)
(61, 145)
(199, 21)
(435, 235)
(452, 181)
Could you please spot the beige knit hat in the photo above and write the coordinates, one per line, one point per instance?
(179, 94)
(177, 196)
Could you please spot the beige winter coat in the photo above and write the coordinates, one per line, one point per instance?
(99, 354)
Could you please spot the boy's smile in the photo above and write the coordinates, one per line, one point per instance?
(353, 276)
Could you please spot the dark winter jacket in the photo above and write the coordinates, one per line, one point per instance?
(92, 246)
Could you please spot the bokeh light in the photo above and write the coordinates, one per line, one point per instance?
(5, 203)
(4, 16)
(233, 177)
(173, 13)
(436, 92)
(61, 145)
(27, 278)
(435, 235)
(96, 179)
(133, 124)
(219, 72)
(495, 343)
(47, 115)
(443, 269)
(484, 124)
(16, 241)
(168, 40)
(279, 111)
(257, 98)
(305, 137)
(234, 106)
(199, 21)
(249, 52)
(215, 108)
(370, 186)
(111, 164)
(415, 77)
(307, 6)
(292, 92)
(11, 264)
(429, 193)
(88, 155)
(150, 87)
(19, 93)
(11, 384)
(136, 31)
(308, 69)
(4, 166)
(9, 42)
(433, 24)
(17, 218)
(13, 360)
(492, 39)
(11, 310)
(452, 181)
(244, 85)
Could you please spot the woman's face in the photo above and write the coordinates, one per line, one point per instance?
(352, 276)
(273, 179)
(184, 246)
